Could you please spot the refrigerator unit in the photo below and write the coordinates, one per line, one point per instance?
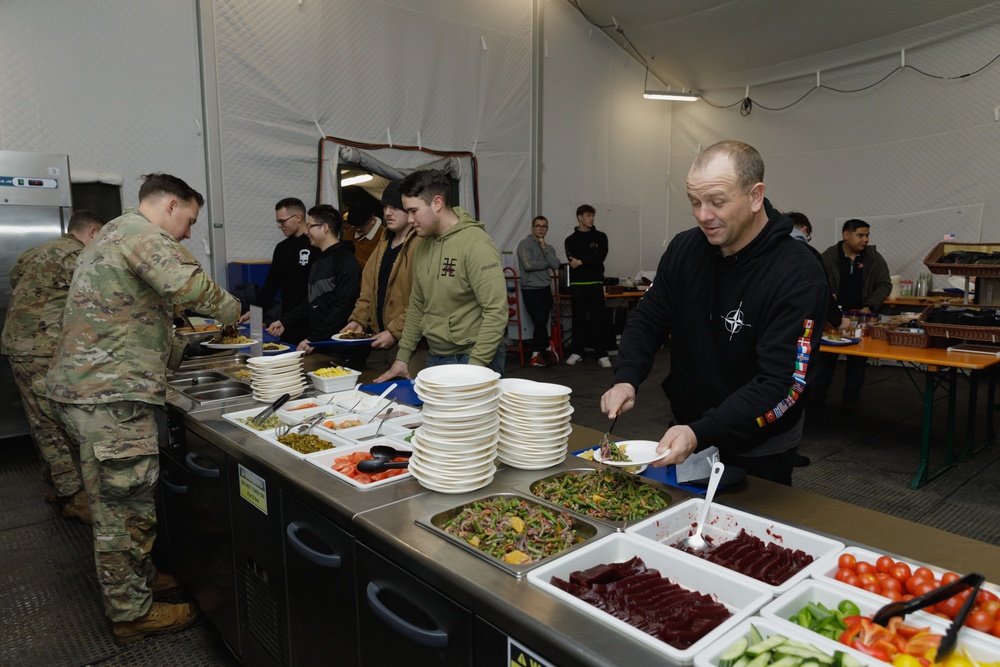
(35, 205)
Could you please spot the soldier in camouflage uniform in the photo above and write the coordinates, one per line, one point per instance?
(39, 284)
(109, 372)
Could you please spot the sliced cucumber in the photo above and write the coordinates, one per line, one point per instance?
(768, 644)
(787, 661)
(754, 637)
(734, 653)
(761, 660)
(841, 659)
(802, 652)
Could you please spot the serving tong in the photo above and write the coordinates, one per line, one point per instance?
(902, 608)
(304, 426)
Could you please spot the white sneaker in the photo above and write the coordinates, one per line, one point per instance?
(603, 362)
(572, 359)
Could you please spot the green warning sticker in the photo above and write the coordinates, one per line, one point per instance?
(519, 656)
(253, 489)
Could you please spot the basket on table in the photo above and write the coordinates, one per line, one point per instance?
(989, 334)
(909, 338)
(878, 331)
(964, 259)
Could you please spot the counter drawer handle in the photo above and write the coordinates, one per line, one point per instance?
(431, 638)
(310, 554)
(212, 473)
(179, 489)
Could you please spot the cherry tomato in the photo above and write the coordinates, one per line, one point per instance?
(923, 572)
(868, 578)
(843, 573)
(950, 606)
(872, 587)
(890, 584)
(996, 628)
(847, 561)
(906, 597)
(853, 581)
(991, 607)
(900, 572)
(949, 577)
(923, 589)
(913, 583)
(986, 596)
(864, 567)
(980, 620)
(884, 564)
(891, 594)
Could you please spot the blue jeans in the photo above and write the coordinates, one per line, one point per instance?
(496, 365)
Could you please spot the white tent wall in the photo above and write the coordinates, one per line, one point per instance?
(442, 74)
(917, 157)
(91, 79)
(602, 143)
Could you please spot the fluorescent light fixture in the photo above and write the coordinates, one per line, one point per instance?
(354, 180)
(666, 94)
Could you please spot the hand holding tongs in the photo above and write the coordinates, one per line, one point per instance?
(940, 594)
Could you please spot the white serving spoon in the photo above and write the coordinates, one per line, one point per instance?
(696, 541)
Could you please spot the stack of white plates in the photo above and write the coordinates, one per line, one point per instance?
(455, 447)
(270, 377)
(534, 424)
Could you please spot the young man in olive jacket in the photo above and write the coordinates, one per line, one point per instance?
(459, 298)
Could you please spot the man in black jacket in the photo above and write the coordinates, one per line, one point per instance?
(290, 264)
(743, 304)
(586, 250)
(334, 281)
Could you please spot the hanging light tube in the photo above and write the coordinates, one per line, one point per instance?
(666, 94)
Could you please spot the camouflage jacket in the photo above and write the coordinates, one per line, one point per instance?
(117, 335)
(39, 283)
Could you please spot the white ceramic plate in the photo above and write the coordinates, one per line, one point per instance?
(457, 375)
(538, 390)
(639, 452)
(634, 472)
(282, 347)
(277, 359)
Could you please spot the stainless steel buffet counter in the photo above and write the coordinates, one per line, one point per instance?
(504, 613)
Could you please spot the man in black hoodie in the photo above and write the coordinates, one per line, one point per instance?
(743, 304)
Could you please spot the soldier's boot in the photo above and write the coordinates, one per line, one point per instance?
(51, 495)
(161, 619)
(163, 583)
(78, 507)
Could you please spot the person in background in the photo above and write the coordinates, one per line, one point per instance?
(859, 277)
(537, 260)
(39, 282)
(334, 282)
(586, 250)
(108, 374)
(367, 227)
(290, 264)
(739, 299)
(385, 287)
(459, 296)
(802, 229)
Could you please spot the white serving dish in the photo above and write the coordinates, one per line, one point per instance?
(337, 383)
(723, 524)
(740, 595)
(234, 417)
(353, 434)
(978, 645)
(827, 572)
(768, 627)
(334, 441)
(324, 461)
(337, 424)
(304, 413)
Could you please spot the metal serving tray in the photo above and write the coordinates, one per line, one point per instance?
(587, 531)
(661, 489)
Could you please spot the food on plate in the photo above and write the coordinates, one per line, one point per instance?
(763, 651)
(603, 494)
(513, 530)
(828, 622)
(589, 455)
(269, 423)
(334, 425)
(611, 451)
(274, 346)
(305, 443)
(897, 580)
(332, 372)
(768, 562)
(348, 466)
(644, 599)
(834, 337)
(230, 335)
(197, 329)
(304, 406)
(354, 335)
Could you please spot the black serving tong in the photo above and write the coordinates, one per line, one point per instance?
(940, 594)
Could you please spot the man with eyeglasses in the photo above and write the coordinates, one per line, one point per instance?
(536, 260)
(290, 264)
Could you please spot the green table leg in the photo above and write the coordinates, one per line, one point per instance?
(925, 439)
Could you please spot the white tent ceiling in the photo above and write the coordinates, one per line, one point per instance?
(706, 45)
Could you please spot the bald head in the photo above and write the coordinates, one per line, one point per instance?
(746, 162)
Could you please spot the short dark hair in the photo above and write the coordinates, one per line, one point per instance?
(158, 184)
(83, 220)
(584, 208)
(800, 220)
(293, 204)
(747, 162)
(537, 218)
(328, 215)
(426, 184)
(854, 224)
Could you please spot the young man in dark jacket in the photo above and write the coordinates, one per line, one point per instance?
(334, 281)
(743, 304)
(586, 250)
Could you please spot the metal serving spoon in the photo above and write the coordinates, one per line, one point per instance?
(696, 541)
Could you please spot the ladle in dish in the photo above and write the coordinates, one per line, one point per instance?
(696, 541)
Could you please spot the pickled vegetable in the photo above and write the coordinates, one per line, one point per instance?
(305, 443)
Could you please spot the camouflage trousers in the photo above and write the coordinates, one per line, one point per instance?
(56, 448)
(120, 466)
